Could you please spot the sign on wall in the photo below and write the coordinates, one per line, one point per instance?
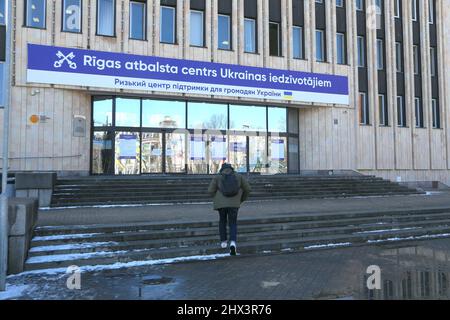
(69, 66)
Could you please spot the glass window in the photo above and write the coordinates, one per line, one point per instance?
(105, 17)
(167, 27)
(360, 5)
(419, 113)
(320, 46)
(207, 116)
(247, 118)
(102, 114)
(416, 57)
(398, 57)
(127, 153)
(401, 112)
(163, 114)
(2, 89)
(35, 13)
(72, 16)
(361, 52)
(383, 110)
(137, 20)
(224, 26)
(433, 61)
(340, 46)
(274, 39)
(380, 54)
(250, 35)
(297, 34)
(277, 119)
(436, 114)
(397, 9)
(196, 28)
(128, 112)
(2, 12)
(102, 152)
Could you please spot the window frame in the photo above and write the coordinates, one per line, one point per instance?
(63, 18)
(25, 24)
(97, 20)
(174, 11)
(144, 27)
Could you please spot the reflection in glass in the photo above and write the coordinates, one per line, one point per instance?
(163, 114)
(238, 152)
(72, 15)
(277, 119)
(197, 155)
(278, 154)
(127, 153)
(167, 25)
(137, 20)
(249, 35)
(128, 112)
(247, 118)
(224, 32)
(105, 17)
(196, 28)
(102, 152)
(152, 152)
(207, 116)
(103, 112)
(217, 152)
(35, 13)
(257, 153)
(175, 152)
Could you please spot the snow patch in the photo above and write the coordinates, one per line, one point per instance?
(73, 246)
(386, 230)
(329, 245)
(427, 236)
(122, 265)
(13, 291)
(65, 236)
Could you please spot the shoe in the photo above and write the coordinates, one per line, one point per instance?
(224, 244)
(233, 248)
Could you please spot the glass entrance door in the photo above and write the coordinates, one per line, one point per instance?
(257, 153)
(152, 152)
(127, 153)
(175, 152)
(238, 152)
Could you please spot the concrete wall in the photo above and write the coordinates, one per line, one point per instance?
(330, 135)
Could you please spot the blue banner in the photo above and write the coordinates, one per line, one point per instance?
(70, 66)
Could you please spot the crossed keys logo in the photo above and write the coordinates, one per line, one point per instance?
(67, 58)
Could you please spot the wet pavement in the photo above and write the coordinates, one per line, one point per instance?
(414, 270)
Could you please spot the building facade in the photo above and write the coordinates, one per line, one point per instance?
(391, 54)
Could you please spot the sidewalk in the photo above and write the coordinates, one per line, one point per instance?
(202, 212)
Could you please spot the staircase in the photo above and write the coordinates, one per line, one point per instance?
(90, 191)
(63, 246)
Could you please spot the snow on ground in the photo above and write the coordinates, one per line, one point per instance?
(76, 256)
(122, 265)
(386, 230)
(329, 245)
(13, 291)
(73, 246)
(431, 236)
(65, 236)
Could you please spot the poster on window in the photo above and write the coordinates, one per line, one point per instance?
(238, 146)
(127, 146)
(197, 148)
(278, 150)
(218, 148)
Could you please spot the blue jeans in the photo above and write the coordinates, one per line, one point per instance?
(230, 215)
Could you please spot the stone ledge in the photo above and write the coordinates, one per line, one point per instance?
(35, 180)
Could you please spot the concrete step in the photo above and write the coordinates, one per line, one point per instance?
(208, 236)
(66, 202)
(280, 222)
(257, 246)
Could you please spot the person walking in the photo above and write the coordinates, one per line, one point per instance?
(229, 190)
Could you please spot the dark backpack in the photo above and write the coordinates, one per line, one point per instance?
(229, 185)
